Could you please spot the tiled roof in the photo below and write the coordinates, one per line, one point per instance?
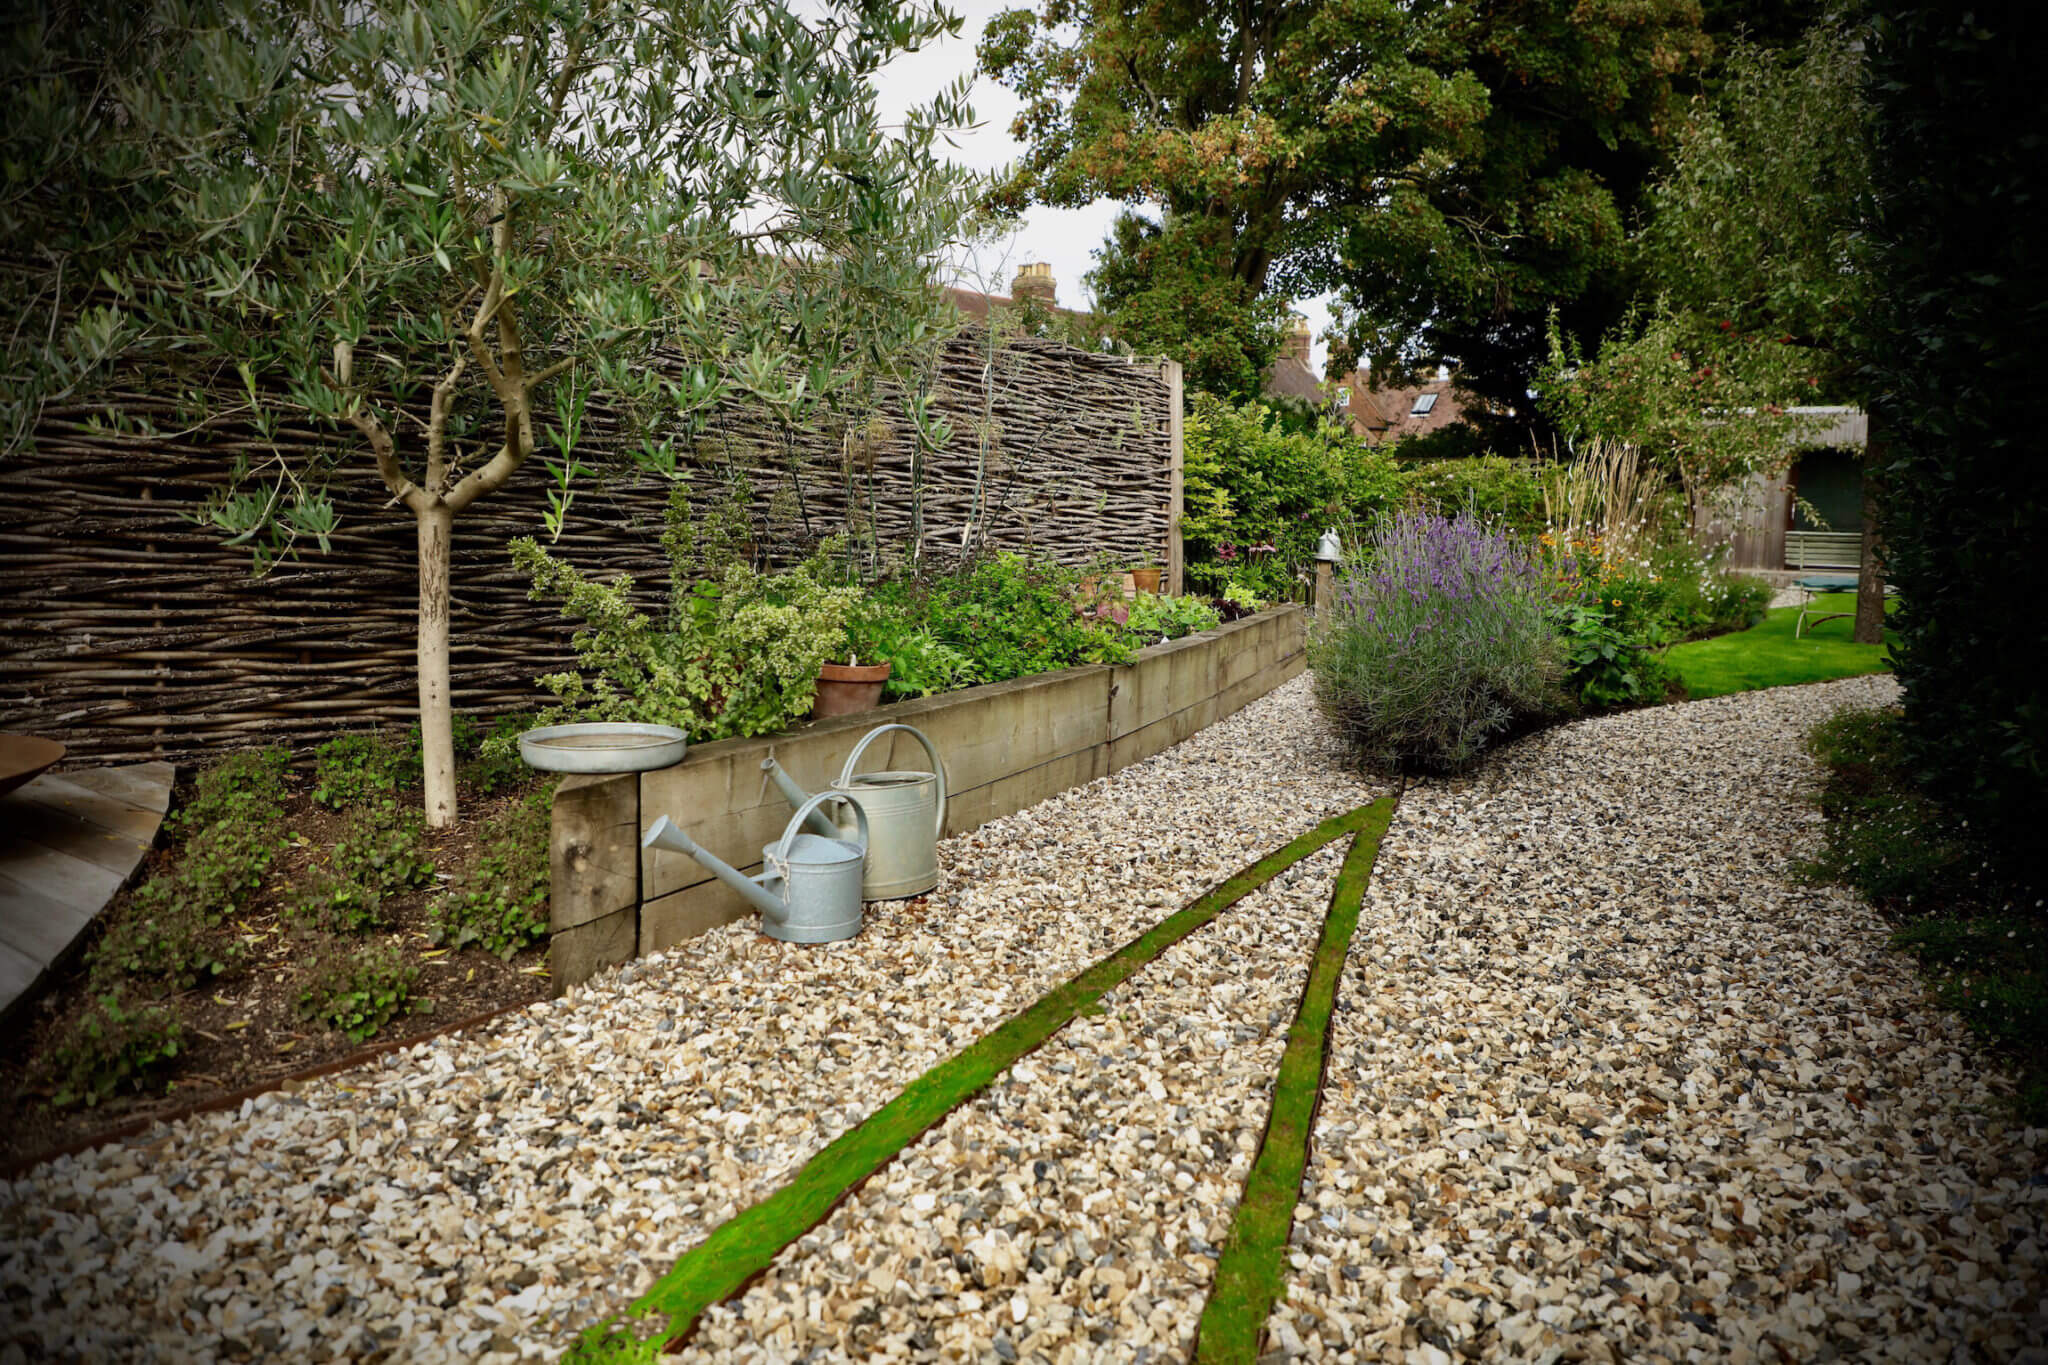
(1384, 415)
(1292, 377)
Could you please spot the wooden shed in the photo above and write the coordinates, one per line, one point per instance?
(1763, 520)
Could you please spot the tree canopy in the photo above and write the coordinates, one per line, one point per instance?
(1453, 170)
(1753, 246)
(447, 225)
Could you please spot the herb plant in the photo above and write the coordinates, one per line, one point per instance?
(115, 1044)
(359, 991)
(1438, 641)
(736, 656)
(249, 785)
(351, 770)
(164, 937)
(502, 906)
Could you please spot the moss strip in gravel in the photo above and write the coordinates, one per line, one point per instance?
(749, 1242)
(1251, 1273)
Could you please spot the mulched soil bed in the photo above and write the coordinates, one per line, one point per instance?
(241, 1029)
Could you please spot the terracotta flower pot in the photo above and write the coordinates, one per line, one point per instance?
(1145, 580)
(846, 688)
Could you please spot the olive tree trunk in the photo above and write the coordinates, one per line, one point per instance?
(437, 717)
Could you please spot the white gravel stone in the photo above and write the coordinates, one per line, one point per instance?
(1081, 1201)
(1607, 1084)
(505, 1187)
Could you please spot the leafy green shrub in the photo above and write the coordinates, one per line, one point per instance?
(384, 846)
(1679, 590)
(1887, 838)
(350, 770)
(1257, 496)
(502, 905)
(221, 868)
(249, 785)
(1243, 598)
(359, 991)
(921, 664)
(738, 656)
(1884, 836)
(163, 935)
(1439, 639)
(1497, 490)
(382, 851)
(217, 873)
(1952, 360)
(337, 905)
(115, 1044)
(1609, 668)
(489, 759)
(1014, 617)
(1155, 618)
(165, 930)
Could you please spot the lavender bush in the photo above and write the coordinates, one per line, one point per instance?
(1436, 643)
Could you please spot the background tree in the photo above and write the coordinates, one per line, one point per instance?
(1171, 291)
(1456, 170)
(447, 226)
(1754, 244)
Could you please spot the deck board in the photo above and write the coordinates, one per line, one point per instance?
(146, 786)
(67, 844)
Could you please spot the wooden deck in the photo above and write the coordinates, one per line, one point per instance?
(67, 843)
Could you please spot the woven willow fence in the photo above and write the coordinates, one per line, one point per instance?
(133, 635)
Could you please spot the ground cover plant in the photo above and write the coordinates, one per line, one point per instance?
(270, 930)
(1439, 642)
(1981, 942)
(736, 653)
(1767, 655)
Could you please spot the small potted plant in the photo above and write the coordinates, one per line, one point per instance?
(1145, 578)
(850, 686)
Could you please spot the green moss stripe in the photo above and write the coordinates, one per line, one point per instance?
(746, 1244)
(1251, 1271)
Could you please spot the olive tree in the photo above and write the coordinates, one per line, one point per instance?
(446, 226)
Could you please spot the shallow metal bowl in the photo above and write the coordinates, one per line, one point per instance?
(603, 747)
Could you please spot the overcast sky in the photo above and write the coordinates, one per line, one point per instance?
(1067, 239)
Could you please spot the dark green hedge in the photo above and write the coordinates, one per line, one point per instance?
(1956, 364)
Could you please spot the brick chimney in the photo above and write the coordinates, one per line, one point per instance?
(1035, 280)
(1295, 344)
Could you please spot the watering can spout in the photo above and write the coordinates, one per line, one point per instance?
(816, 822)
(664, 833)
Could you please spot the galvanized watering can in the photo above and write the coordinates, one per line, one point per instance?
(906, 810)
(809, 887)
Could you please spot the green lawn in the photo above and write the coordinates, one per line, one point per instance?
(1766, 655)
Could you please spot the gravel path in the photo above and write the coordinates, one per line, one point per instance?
(1606, 1087)
(487, 1195)
(1081, 1200)
(1602, 1085)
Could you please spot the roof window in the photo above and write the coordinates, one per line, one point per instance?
(1423, 403)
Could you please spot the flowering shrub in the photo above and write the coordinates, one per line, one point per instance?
(1671, 588)
(1439, 640)
(1618, 613)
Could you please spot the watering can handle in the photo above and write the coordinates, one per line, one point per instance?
(796, 823)
(931, 750)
